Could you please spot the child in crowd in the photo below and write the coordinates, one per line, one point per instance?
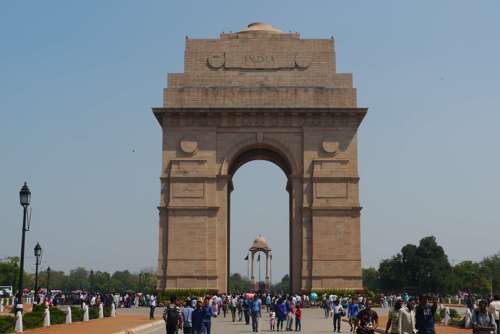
(272, 320)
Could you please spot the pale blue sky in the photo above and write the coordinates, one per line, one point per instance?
(77, 80)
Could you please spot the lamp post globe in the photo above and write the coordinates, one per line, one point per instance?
(38, 254)
(38, 250)
(25, 195)
(24, 199)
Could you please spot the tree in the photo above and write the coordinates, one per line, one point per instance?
(9, 273)
(238, 283)
(490, 269)
(147, 281)
(283, 286)
(78, 280)
(123, 281)
(58, 280)
(371, 279)
(424, 268)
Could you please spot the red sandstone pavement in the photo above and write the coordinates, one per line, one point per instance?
(382, 321)
(97, 326)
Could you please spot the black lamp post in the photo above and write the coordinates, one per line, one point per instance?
(24, 198)
(48, 281)
(91, 279)
(38, 254)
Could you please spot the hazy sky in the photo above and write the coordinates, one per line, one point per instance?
(77, 80)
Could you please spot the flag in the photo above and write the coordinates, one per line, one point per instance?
(246, 258)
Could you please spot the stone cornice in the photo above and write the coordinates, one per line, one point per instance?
(261, 117)
(335, 208)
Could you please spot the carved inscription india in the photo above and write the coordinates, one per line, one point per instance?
(258, 61)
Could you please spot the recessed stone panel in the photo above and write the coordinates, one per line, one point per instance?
(331, 189)
(188, 190)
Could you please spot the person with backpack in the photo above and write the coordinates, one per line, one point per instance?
(483, 322)
(424, 315)
(367, 319)
(338, 313)
(172, 316)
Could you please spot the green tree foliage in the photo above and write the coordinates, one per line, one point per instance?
(238, 283)
(9, 273)
(425, 268)
(371, 279)
(81, 279)
(283, 286)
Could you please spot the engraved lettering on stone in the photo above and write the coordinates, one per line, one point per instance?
(259, 61)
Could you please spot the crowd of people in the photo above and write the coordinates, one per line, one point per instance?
(407, 315)
(195, 315)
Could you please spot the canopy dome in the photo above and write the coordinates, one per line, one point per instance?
(260, 244)
(261, 26)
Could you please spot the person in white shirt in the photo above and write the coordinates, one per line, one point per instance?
(495, 310)
(407, 319)
(152, 307)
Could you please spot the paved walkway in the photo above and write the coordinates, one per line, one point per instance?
(313, 322)
(98, 326)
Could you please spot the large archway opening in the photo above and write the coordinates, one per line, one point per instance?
(259, 203)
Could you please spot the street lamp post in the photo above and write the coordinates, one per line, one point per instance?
(24, 198)
(48, 281)
(91, 279)
(38, 254)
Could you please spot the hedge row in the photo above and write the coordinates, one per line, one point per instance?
(57, 316)
(181, 294)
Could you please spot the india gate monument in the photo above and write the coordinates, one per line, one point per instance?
(259, 94)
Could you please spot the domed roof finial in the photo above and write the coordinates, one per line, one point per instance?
(261, 26)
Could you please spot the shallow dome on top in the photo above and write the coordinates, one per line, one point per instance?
(260, 243)
(260, 26)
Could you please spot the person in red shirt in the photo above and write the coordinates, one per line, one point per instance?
(298, 319)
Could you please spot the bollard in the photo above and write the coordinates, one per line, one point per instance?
(46, 318)
(68, 316)
(19, 322)
(101, 311)
(113, 310)
(85, 313)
